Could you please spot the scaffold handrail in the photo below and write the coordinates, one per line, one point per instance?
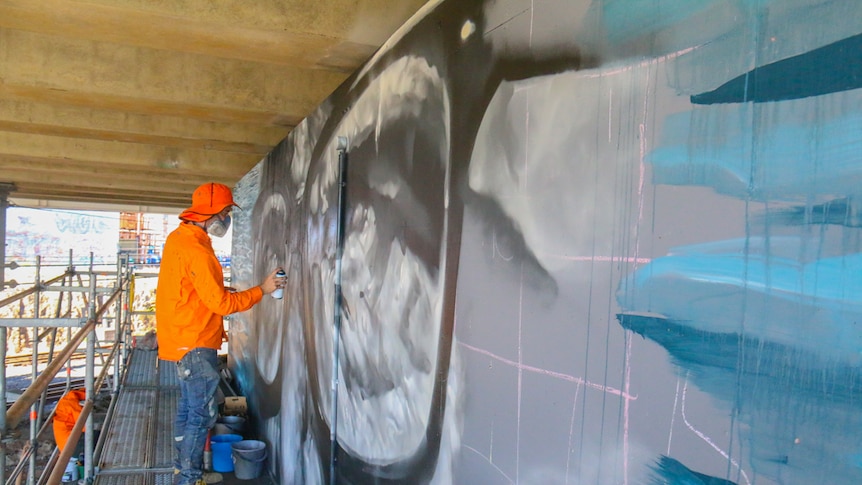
(35, 288)
(19, 408)
(63, 358)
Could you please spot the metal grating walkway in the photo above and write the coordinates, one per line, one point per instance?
(138, 447)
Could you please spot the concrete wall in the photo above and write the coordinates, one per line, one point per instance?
(607, 242)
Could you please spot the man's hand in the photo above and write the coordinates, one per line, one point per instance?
(271, 282)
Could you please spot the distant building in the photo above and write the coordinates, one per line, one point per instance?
(142, 236)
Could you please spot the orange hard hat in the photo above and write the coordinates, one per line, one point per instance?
(208, 200)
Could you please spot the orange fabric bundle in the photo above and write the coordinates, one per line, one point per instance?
(68, 410)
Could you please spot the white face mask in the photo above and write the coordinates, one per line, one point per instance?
(218, 227)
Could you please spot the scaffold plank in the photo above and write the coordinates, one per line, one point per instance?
(166, 408)
(131, 429)
(139, 446)
(123, 479)
(162, 477)
(168, 374)
(142, 369)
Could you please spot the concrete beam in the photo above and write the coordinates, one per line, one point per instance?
(116, 180)
(76, 192)
(169, 131)
(53, 182)
(139, 205)
(118, 192)
(30, 167)
(133, 103)
(124, 156)
(148, 81)
(273, 31)
(363, 21)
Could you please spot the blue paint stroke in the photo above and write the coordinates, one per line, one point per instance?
(829, 69)
(738, 287)
(671, 472)
(702, 352)
(839, 212)
(716, 150)
(797, 414)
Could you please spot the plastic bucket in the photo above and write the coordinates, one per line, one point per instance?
(248, 457)
(229, 425)
(220, 445)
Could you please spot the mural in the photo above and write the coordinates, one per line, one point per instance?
(586, 242)
(52, 233)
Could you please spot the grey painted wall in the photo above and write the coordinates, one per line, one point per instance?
(586, 242)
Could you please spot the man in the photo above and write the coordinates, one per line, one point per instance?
(191, 300)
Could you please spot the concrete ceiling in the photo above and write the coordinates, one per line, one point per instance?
(131, 104)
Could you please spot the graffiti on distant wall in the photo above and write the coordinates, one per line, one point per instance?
(52, 233)
(586, 242)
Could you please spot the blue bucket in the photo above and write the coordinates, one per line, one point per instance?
(220, 445)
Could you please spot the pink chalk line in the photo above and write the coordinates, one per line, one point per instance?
(557, 375)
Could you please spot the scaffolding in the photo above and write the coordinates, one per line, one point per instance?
(142, 236)
(106, 297)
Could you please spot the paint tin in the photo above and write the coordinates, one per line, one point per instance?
(71, 473)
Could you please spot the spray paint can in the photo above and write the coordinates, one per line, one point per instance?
(71, 473)
(278, 294)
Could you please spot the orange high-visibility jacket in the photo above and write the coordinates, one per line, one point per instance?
(190, 296)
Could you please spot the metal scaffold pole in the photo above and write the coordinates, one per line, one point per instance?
(69, 270)
(89, 432)
(4, 203)
(34, 396)
(122, 270)
(34, 408)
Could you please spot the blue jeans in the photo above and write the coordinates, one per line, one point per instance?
(196, 411)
